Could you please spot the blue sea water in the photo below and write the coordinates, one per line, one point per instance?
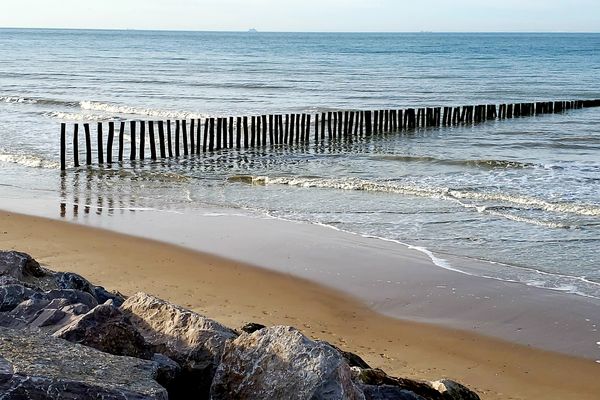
(523, 193)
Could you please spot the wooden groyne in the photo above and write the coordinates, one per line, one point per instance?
(198, 136)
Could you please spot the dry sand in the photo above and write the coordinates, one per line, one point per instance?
(234, 293)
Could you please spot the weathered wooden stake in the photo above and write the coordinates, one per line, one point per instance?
(111, 138)
(185, 137)
(161, 138)
(219, 133)
(264, 129)
(271, 132)
(246, 142)
(121, 140)
(63, 146)
(238, 133)
(211, 135)
(307, 134)
(100, 146)
(177, 129)
(287, 129)
(75, 145)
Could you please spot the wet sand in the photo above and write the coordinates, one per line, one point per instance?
(234, 292)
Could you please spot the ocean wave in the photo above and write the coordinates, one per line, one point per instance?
(66, 116)
(33, 100)
(149, 112)
(29, 160)
(483, 163)
(422, 191)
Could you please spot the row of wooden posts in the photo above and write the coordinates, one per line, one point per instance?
(245, 132)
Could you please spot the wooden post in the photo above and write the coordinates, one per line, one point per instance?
(177, 129)
(346, 121)
(335, 122)
(100, 147)
(329, 130)
(253, 131)
(205, 136)
(280, 123)
(362, 122)
(316, 128)
(323, 126)
(375, 121)
(307, 134)
(63, 146)
(230, 127)
(350, 124)
(357, 122)
(275, 121)
(271, 132)
(211, 135)
(152, 140)
(302, 130)
(340, 126)
(258, 130)
(111, 138)
(133, 145)
(219, 133)
(161, 138)
(142, 139)
(75, 145)
(121, 140)
(264, 129)
(369, 127)
(238, 133)
(387, 121)
(192, 141)
(246, 133)
(185, 137)
(88, 144)
(198, 136)
(169, 141)
(298, 131)
(380, 124)
(401, 126)
(287, 129)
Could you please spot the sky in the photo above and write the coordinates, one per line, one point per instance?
(307, 15)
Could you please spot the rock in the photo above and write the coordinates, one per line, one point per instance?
(42, 313)
(70, 295)
(252, 327)
(193, 341)
(387, 392)
(352, 359)
(20, 266)
(168, 372)
(13, 295)
(369, 379)
(69, 280)
(107, 329)
(451, 390)
(281, 363)
(39, 367)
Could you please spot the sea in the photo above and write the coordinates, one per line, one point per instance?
(521, 195)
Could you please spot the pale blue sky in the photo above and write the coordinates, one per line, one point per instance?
(307, 15)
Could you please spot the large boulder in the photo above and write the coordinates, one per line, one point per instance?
(21, 268)
(12, 295)
(107, 329)
(192, 340)
(377, 385)
(39, 367)
(281, 363)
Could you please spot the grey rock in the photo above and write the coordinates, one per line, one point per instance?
(13, 295)
(20, 266)
(352, 359)
(445, 389)
(190, 339)
(252, 327)
(281, 363)
(167, 373)
(451, 390)
(387, 392)
(38, 312)
(69, 280)
(34, 366)
(70, 295)
(107, 329)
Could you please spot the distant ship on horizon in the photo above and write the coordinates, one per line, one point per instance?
(252, 30)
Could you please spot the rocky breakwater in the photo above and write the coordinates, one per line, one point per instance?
(62, 337)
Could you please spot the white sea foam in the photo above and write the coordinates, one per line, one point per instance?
(29, 161)
(434, 192)
(149, 112)
(16, 99)
(77, 116)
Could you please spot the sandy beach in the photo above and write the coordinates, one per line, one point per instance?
(234, 292)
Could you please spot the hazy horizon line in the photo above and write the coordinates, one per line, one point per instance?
(277, 31)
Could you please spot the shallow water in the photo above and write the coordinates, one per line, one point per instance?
(521, 193)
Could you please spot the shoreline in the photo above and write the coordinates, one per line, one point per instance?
(234, 292)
